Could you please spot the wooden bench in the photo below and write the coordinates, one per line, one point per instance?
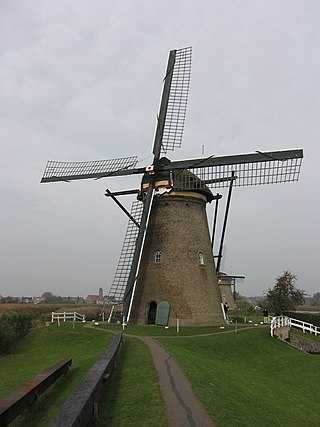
(13, 404)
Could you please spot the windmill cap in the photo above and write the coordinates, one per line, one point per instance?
(184, 180)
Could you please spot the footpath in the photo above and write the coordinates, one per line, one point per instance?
(183, 408)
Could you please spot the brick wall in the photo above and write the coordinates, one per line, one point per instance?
(178, 228)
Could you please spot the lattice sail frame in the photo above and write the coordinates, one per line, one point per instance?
(178, 99)
(247, 173)
(68, 171)
(121, 276)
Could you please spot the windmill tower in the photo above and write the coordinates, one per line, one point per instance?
(177, 277)
(166, 269)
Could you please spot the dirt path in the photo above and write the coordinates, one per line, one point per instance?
(183, 408)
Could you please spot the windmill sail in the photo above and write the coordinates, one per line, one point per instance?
(71, 171)
(258, 168)
(177, 102)
(132, 279)
(174, 100)
(121, 276)
(168, 135)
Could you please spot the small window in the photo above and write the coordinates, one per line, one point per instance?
(201, 258)
(158, 257)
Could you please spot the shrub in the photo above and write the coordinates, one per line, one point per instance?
(44, 318)
(21, 322)
(304, 317)
(13, 325)
(7, 337)
(238, 319)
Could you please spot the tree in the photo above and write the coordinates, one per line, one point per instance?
(284, 295)
(49, 298)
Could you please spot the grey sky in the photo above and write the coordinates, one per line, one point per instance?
(81, 80)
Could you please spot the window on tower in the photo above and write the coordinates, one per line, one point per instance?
(201, 258)
(158, 257)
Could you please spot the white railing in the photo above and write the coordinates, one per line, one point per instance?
(280, 321)
(67, 316)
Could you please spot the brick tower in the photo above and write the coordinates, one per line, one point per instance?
(177, 277)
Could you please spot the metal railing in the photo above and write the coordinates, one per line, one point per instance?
(281, 321)
(67, 316)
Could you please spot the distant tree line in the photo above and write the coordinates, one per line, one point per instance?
(47, 298)
(9, 300)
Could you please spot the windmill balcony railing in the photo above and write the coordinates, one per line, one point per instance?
(67, 316)
(282, 321)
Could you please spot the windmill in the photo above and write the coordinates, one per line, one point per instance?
(167, 269)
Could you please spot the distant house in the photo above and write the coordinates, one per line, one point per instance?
(95, 299)
(37, 300)
(26, 300)
(92, 299)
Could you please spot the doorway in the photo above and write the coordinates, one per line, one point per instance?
(151, 314)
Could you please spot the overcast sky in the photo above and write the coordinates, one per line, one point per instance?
(81, 80)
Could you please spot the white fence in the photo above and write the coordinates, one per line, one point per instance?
(281, 321)
(67, 316)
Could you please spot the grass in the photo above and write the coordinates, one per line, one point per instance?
(249, 379)
(42, 348)
(133, 397)
(243, 379)
(241, 314)
(158, 331)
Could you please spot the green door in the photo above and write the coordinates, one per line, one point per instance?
(162, 316)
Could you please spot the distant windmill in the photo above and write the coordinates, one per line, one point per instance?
(167, 269)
